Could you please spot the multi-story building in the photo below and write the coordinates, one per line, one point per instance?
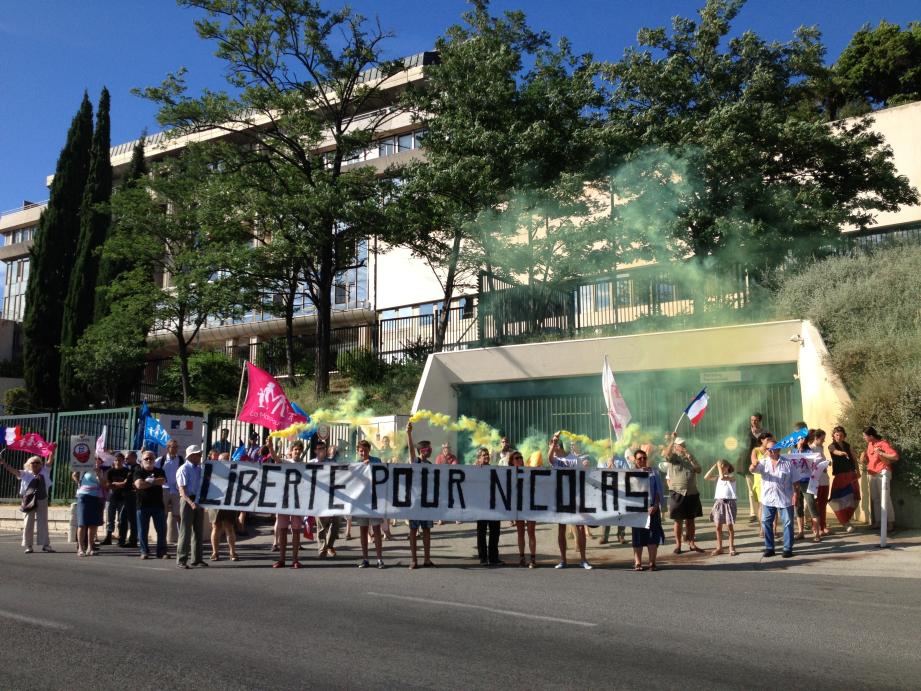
(388, 300)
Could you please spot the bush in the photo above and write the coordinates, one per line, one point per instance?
(362, 366)
(213, 378)
(16, 401)
(866, 307)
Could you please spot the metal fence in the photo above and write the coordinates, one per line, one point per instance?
(120, 424)
(40, 424)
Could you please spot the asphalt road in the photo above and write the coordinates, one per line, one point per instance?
(114, 621)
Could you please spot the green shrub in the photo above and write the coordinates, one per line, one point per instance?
(362, 366)
(213, 378)
(16, 401)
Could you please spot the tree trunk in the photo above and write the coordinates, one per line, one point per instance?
(445, 314)
(324, 363)
(289, 339)
(184, 367)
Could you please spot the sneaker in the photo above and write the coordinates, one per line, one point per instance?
(769, 553)
(380, 563)
(295, 564)
(787, 554)
(181, 565)
(108, 540)
(201, 564)
(483, 562)
(28, 550)
(145, 556)
(532, 564)
(363, 564)
(585, 565)
(278, 565)
(849, 529)
(332, 551)
(81, 553)
(48, 548)
(94, 553)
(561, 565)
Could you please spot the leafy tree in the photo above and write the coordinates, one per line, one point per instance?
(471, 104)
(95, 218)
(186, 249)
(214, 378)
(882, 65)
(110, 270)
(50, 262)
(305, 79)
(750, 179)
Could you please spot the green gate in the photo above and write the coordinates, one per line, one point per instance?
(656, 399)
(120, 426)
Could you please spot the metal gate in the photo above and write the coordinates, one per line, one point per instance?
(524, 408)
(120, 426)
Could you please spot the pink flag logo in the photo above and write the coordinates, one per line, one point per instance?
(33, 443)
(266, 403)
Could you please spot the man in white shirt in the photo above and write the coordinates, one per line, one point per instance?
(776, 495)
(169, 463)
(191, 514)
(576, 461)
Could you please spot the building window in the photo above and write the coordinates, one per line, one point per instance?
(426, 313)
(405, 142)
(602, 296)
(385, 147)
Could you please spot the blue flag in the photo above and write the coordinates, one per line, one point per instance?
(792, 438)
(240, 453)
(143, 414)
(154, 432)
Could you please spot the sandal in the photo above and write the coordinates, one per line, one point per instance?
(652, 567)
(278, 565)
(215, 557)
(413, 564)
(637, 567)
(428, 565)
(234, 557)
(532, 564)
(715, 553)
(732, 553)
(816, 539)
(677, 550)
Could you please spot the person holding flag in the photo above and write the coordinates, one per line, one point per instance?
(34, 478)
(681, 470)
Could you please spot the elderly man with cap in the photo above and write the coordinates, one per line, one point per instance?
(681, 470)
(191, 514)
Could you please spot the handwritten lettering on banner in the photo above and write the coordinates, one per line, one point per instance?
(427, 492)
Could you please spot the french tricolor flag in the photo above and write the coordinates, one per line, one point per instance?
(697, 407)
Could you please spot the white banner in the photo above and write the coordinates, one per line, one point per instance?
(422, 491)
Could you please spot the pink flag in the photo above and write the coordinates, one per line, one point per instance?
(34, 444)
(266, 403)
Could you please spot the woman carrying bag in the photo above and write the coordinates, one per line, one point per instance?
(34, 484)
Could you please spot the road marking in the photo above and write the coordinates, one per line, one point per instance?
(34, 620)
(492, 610)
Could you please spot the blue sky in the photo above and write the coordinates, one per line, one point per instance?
(50, 51)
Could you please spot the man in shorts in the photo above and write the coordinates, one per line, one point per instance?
(364, 456)
(681, 470)
(328, 527)
(424, 450)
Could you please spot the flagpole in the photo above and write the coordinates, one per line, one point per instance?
(678, 423)
(240, 391)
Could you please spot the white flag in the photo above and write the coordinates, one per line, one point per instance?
(101, 452)
(618, 412)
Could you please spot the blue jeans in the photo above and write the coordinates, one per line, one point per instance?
(159, 521)
(767, 522)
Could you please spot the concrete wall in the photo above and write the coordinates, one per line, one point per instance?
(824, 395)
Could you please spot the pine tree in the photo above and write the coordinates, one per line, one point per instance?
(51, 259)
(95, 219)
(109, 268)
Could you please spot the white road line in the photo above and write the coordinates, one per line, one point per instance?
(492, 610)
(34, 620)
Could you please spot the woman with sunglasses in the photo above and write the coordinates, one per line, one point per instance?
(654, 535)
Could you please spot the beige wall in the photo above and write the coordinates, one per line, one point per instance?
(901, 126)
(824, 396)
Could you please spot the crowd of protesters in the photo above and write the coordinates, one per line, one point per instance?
(132, 493)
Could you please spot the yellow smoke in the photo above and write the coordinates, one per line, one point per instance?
(348, 411)
(292, 431)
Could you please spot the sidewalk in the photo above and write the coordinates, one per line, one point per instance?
(839, 554)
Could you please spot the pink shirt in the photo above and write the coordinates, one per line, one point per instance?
(876, 465)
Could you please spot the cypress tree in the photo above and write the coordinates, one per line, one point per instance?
(50, 262)
(110, 269)
(95, 219)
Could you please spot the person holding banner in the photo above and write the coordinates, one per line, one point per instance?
(34, 478)
(572, 460)
(223, 521)
(652, 535)
(776, 497)
(516, 460)
(89, 508)
(681, 470)
(328, 527)
(286, 523)
(487, 550)
(420, 454)
(364, 524)
(191, 514)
